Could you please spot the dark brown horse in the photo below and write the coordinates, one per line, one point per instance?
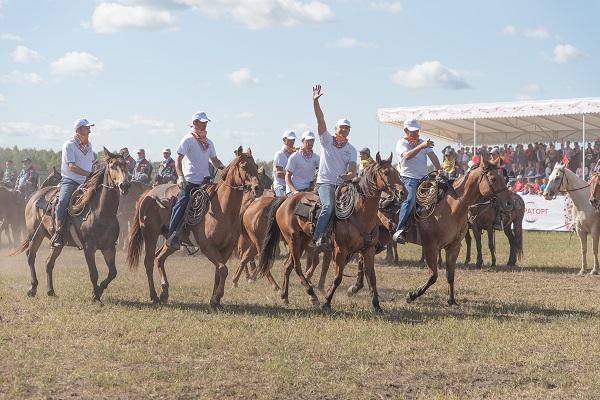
(488, 217)
(447, 225)
(356, 234)
(12, 209)
(95, 228)
(216, 234)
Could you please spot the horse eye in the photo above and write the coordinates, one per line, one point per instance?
(386, 172)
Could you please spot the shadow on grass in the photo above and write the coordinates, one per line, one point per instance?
(424, 310)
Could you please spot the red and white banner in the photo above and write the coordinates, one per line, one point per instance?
(547, 215)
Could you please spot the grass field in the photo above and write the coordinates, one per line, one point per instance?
(532, 332)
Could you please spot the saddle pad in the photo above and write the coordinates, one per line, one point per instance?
(303, 210)
(48, 198)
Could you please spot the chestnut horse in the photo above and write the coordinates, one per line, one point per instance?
(446, 227)
(485, 217)
(96, 228)
(595, 191)
(216, 235)
(356, 234)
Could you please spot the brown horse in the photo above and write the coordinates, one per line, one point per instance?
(447, 225)
(216, 235)
(595, 191)
(356, 234)
(486, 217)
(95, 228)
(127, 208)
(12, 209)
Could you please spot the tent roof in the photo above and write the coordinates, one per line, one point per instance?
(508, 122)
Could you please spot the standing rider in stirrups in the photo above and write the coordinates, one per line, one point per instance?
(194, 153)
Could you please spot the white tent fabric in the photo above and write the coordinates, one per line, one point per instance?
(510, 122)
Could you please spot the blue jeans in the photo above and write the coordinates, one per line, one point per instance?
(410, 184)
(183, 197)
(67, 187)
(279, 191)
(327, 196)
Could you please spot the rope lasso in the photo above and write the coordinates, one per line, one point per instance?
(426, 195)
(345, 201)
(198, 206)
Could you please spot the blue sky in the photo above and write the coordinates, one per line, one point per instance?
(140, 68)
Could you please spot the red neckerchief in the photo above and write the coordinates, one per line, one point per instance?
(84, 147)
(307, 154)
(339, 143)
(412, 142)
(203, 142)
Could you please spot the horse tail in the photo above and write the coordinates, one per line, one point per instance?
(23, 246)
(271, 240)
(136, 239)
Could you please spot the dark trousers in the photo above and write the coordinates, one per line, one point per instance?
(179, 208)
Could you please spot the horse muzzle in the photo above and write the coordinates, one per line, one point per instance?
(124, 188)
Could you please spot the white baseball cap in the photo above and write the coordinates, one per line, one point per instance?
(200, 116)
(289, 134)
(81, 122)
(308, 135)
(343, 122)
(167, 150)
(412, 125)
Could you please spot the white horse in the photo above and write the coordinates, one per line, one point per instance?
(586, 219)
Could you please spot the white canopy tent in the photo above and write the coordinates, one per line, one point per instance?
(509, 122)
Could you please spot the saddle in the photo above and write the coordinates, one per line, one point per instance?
(48, 203)
(49, 200)
(309, 207)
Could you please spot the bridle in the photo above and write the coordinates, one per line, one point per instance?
(112, 184)
(564, 178)
(242, 187)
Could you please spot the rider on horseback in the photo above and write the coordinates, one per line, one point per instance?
(337, 164)
(412, 153)
(301, 166)
(76, 165)
(194, 153)
(280, 160)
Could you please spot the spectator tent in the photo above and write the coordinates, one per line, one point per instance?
(499, 123)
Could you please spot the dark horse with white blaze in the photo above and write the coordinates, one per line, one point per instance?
(356, 234)
(216, 234)
(95, 228)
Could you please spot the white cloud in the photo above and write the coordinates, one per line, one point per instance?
(153, 125)
(529, 92)
(350, 43)
(392, 7)
(509, 30)
(259, 14)
(22, 54)
(113, 17)
(77, 63)
(300, 127)
(29, 130)
(2, 98)
(242, 77)
(539, 33)
(244, 115)
(10, 36)
(21, 78)
(566, 52)
(430, 74)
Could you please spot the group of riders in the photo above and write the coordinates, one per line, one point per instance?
(294, 169)
(25, 182)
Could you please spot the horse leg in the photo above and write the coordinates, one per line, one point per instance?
(477, 236)
(150, 248)
(324, 269)
(109, 258)
(296, 249)
(583, 242)
(491, 245)
(54, 253)
(339, 257)
(595, 237)
(395, 247)
(34, 245)
(468, 241)
(512, 258)
(312, 260)
(161, 257)
(287, 270)
(431, 255)
(368, 256)
(360, 278)
(91, 262)
(451, 256)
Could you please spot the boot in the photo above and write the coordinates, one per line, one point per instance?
(399, 236)
(58, 239)
(173, 242)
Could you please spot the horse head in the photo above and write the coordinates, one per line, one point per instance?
(386, 177)
(595, 191)
(555, 181)
(491, 183)
(118, 171)
(244, 172)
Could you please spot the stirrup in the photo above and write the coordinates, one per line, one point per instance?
(57, 240)
(399, 237)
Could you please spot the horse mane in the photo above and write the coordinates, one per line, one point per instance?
(366, 183)
(91, 185)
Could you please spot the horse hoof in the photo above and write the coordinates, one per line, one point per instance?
(250, 280)
(452, 302)
(215, 304)
(581, 272)
(378, 310)
(51, 293)
(285, 301)
(409, 298)
(235, 284)
(31, 292)
(594, 272)
(313, 301)
(326, 307)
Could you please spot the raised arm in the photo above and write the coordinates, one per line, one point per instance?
(321, 127)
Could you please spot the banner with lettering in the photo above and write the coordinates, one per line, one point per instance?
(547, 215)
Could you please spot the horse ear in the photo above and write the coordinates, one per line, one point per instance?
(485, 157)
(108, 153)
(239, 151)
(378, 158)
(54, 169)
(389, 160)
(249, 152)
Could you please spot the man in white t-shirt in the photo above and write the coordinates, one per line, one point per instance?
(337, 164)
(194, 154)
(301, 166)
(412, 152)
(76, 165)
(280, 160)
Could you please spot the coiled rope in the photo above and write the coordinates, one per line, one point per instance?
(427, 193)
(197, 207)
(345, 201)
(76, 204)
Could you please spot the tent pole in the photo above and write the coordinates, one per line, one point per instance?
(583, 145)
(474, 136)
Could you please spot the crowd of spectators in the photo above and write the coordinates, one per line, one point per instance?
(527, 167)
